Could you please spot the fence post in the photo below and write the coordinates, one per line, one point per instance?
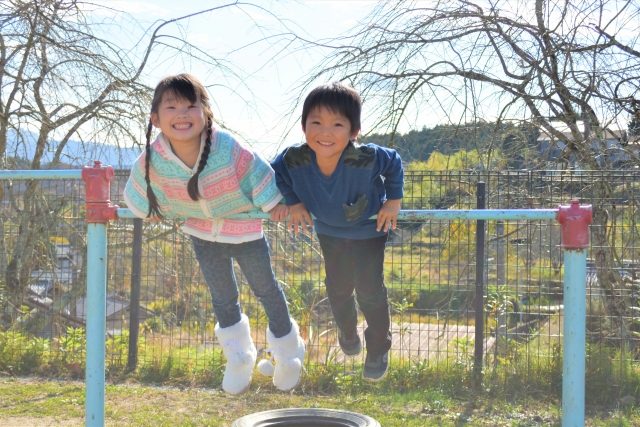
(501, 311)
(99, 211)
(134, 304)
(479, 301)
(575, 220)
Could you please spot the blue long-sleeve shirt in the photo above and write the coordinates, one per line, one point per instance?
(366, 176)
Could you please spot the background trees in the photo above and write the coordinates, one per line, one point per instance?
(568, 68)
(69, 71)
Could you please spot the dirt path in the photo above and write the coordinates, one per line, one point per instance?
(40, 422)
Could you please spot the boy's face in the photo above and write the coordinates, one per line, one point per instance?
(328, 133)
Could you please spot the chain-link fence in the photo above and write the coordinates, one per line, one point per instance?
(429, 271)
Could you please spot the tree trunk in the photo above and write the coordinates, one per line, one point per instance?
(616, 302)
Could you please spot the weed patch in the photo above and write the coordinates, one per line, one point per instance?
(613, 376)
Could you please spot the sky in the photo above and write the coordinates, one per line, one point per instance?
(256, 95)
(258, 103)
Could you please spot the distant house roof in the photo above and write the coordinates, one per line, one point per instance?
(115, 306)
(44, 301)
(40, 287)
(53, 275)
(610, 134)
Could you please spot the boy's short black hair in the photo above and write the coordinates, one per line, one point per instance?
(336, 97)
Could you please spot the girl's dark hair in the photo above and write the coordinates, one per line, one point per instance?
(336, 97)
(182, 86)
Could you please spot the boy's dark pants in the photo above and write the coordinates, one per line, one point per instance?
(358, 264)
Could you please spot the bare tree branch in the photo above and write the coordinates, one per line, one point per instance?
(540, 64)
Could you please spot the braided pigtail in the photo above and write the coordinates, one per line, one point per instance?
(192, 186)
(154, 207)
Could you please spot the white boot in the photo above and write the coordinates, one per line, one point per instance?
(288, 352)
(241, 354)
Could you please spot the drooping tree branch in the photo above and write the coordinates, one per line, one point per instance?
(569, 69)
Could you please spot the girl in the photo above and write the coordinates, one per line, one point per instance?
(197, 171)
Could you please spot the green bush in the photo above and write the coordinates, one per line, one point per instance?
(611, 372)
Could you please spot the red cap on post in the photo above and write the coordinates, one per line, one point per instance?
(97, 180)
(575, 220)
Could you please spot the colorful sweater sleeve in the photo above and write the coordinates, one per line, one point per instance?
(257, 180)
(135, 192)
(389, 166)
(283, 179)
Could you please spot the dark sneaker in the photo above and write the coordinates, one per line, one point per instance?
(349, 342)
(375, 367)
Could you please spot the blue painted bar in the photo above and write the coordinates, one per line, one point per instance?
(126, 214)
(96, 323)
(574, 345)
(422, 215)
(42, 174)
(473, 215)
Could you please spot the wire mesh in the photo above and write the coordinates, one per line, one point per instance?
(429, 271)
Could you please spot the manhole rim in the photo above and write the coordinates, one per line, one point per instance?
(290, 415)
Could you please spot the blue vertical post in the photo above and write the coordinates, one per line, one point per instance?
(100, 211)
(96, 323)
(574, 345)
(575, 220)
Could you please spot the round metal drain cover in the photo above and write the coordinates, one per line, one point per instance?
(298, 417)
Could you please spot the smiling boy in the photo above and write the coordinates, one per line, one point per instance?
(343, 184)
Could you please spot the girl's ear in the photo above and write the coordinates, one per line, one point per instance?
(154, 120)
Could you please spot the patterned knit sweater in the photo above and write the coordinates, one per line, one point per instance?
(234, 180)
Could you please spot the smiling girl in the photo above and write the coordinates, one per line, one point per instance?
(197, 171)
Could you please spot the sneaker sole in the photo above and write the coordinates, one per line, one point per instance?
(375, 380)
(354, 352)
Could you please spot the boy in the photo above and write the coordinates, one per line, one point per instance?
(341, 183)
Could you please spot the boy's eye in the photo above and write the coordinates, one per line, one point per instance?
(339, 125)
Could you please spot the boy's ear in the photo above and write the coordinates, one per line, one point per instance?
(154, 120)
(303, 129)
(355, 134)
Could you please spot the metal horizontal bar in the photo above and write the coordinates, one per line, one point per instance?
(42, 174)
(422, 215)
(486, 214)
(125, 214)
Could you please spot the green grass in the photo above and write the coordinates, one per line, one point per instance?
(27, 400)
(522, 389)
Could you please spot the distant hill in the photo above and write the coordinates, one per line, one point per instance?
(448, 139)
(75, 153)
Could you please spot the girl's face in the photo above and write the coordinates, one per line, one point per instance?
(179, 119)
